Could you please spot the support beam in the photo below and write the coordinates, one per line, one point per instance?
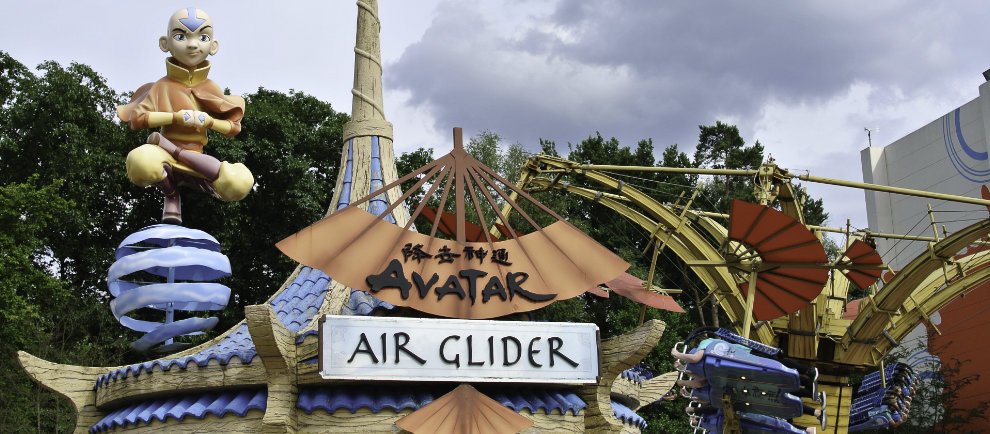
(277, 349)
(618, 354)
(655, 388)
(688, 243)
(873, 318)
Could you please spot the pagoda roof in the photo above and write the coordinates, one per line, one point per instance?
(301, 300)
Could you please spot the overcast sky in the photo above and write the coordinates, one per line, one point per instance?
(802, 77)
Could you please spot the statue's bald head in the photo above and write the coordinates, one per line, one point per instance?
(189, 37)
(189, 18)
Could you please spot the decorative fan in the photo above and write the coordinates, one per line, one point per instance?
(634, 288)
(859, 254)
(456, 278)
(464, 411)
(786, 261)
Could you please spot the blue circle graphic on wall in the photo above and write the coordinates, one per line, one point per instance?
(970, 163)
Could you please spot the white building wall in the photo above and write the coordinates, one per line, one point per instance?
(949, 155)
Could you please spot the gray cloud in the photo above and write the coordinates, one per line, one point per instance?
(636, 69)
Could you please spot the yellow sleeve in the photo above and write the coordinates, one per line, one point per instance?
(158, 119)
(222, 126)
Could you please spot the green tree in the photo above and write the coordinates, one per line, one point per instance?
(408, 162)
(27, 212)
(720, 146)
(60, 126)
(617, 315)
(486, 147)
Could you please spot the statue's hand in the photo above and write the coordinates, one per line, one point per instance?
(196, 119)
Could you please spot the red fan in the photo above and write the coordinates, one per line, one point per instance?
(791, 259)
(860, 253)
(448, 226)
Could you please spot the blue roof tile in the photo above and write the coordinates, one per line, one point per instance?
(301, 300)
(378, 204)
(627, 416)
(637, 374)
(354, 397)
(363, 304)
(345, 184)
(534, 400)
(237, 344)
(198, 406)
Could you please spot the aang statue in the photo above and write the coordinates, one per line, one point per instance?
(184, 105)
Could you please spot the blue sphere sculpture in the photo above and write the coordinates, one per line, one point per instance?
(167, 268)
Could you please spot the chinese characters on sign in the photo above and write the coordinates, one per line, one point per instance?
(446, 256)
(460, 283)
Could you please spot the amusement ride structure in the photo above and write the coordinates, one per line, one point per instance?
(801, 295)
(366, 269)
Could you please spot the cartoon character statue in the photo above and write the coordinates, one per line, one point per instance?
(184, 105)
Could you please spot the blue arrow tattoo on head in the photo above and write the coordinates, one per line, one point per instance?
(192, 22)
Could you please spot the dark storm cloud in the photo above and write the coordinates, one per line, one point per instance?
(637, 69)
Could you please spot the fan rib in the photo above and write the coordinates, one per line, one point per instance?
(482, 221)
(521, 192)
(429, 193)
(491, 202)
(509, 200)
(408, 193)
(399, 181)
(440, 208)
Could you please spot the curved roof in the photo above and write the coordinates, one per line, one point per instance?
(627, 416)
(401, 397)
(198, 406)
(237, 343)
(301, 300)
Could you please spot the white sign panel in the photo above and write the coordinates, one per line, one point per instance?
(415, 349)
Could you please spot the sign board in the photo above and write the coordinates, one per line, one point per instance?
(417, 349)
